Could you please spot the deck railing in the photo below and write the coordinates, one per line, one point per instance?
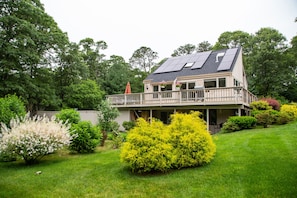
(211, 96)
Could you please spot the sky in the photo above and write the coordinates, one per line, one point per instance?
(165, 25)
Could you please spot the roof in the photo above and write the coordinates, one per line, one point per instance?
(198, 63)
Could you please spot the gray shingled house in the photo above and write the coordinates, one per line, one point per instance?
(212, 82)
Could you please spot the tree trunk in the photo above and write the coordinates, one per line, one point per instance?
(104, 137)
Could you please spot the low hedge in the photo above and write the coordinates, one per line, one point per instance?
(237, 123)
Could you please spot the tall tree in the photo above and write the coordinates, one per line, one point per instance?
(85, 95)
(71, 69)
(28, 38)
(117, 76)
(143, 58)
(184, 50)
(204, 46)
(267, 71)
(233, 39)
(290, 93)
(91, 53)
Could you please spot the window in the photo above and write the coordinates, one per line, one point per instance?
(156, 89)
(168, 87)
(189, 64)
(236, 83)
(210, 83)
(183, 86)
(222, 82)
(191, 85)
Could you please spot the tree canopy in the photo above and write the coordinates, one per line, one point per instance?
(40, 65)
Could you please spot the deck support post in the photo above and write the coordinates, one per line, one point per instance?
(151, 115)
(207, 118)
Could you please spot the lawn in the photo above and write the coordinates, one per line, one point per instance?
(250, 163)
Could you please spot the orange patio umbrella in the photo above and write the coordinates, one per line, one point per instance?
(128, 88)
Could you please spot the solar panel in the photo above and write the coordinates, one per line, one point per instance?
(201, 59)
(172, 64)
(177, 63)
(227, 60)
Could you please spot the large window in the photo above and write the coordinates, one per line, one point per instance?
(210, 83)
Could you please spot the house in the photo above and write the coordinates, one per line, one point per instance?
(212, 82)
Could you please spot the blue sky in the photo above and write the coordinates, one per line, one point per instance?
(165, 25)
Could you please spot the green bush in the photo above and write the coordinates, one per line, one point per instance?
(68, 115)
(244, 122)
(156, 147)
(230, 127)
(11, 107)
(264, 118)
(237, 123)
(128, 125)
(118, 139)
(147, 148)
(86, 137)
(192, 143)
(283, 118)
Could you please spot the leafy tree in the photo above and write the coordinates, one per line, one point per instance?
(291, 59)
(143, 58)
(266, 70)
(184, 50)
(118, 75)
(28, 39)
(91, 53)
(85, 95)
(136, 80)
(70, 70)
(106, 116)
(204, 46)
(233, 39)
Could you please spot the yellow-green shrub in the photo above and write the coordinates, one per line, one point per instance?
(290, 109)
(260, 105)
(192, 143)
(156, 147)
(147, 148)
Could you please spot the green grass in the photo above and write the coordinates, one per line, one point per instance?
(250, 163)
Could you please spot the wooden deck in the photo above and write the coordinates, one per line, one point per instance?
(213, 96)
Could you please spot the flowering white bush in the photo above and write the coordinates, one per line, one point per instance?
(32, 138)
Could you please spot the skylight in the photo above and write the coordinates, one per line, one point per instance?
(190, 64)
